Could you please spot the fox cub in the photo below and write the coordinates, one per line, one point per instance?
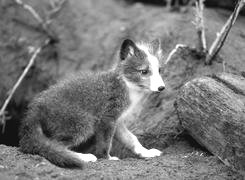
(93, 105)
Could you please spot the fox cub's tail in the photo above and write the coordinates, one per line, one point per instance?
(58, 154)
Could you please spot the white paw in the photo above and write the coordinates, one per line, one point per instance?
(113, 158)
(155, 152)
(87, 157)
(149, 153)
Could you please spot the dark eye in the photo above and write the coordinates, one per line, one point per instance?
(144, 72)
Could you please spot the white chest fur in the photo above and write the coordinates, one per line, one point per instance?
(136, 100)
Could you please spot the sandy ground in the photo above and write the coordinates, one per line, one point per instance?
(180, 161)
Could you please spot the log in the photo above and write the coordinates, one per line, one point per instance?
(212, 110)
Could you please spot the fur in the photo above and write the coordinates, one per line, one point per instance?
(88, 105)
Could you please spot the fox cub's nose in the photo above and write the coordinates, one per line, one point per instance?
(161, 88)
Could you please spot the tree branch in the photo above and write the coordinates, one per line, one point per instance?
(42, 23)
(36, 51)
(222, 35)
(56, 7)
(199, 23)
(51, 39)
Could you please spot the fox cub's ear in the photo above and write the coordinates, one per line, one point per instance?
(128, 48)
(156, 44)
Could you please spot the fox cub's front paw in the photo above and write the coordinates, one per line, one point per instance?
(113, 158)
(149, 153)
(154, 152)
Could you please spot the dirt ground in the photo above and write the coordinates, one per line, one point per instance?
(90, 33)
(180, 161)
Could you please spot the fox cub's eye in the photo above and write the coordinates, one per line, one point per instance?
(144, 72)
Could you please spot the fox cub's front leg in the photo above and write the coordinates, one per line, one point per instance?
(104, 136)
(131, 142)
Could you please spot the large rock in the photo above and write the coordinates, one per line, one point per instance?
(212, 110)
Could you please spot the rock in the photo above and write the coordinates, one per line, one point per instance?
(212, 110)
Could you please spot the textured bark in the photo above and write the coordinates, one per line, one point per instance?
(212, 110)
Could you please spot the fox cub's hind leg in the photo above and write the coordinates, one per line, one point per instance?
(132, 143)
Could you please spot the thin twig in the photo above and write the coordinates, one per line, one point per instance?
(222, 35)
(11, 93)
(199, 23)
(51, 39)
(39, 19)
(174, 51)
(31, 10)
(56, 7)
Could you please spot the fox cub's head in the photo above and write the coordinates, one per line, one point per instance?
(139, 65)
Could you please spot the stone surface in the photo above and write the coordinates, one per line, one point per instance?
(212, 110)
